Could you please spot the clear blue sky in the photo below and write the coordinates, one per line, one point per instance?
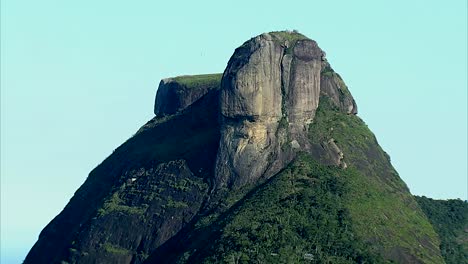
(79, 77)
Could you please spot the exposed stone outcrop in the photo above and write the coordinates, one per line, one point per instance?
(251, 109)
(334, 88)
(303, 89)
(336, 153)
(176, 94)
(269, 93)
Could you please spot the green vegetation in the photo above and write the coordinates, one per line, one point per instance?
(134, 196)
(327, 71)
(379, 203)
(379, 214)
(186, 184)
(175, 204)
(115, 249)
(450, 220)
(283, 123)
(291, 37)
(315, 213)
(198, 81)
(330, 123)
(115, 204)
(299, 215)
(110, 193)
(309, 212)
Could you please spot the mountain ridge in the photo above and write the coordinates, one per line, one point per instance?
(278, 115)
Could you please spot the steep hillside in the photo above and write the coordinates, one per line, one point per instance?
(266, 163)
(311, 212)
(141, 195)
(450, 221)
(299, 215)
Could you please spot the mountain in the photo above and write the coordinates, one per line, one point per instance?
(450, 220)
(265, 163)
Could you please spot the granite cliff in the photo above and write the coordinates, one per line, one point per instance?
(265, 163)
(270, 92)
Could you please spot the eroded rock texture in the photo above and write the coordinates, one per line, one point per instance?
(269, 93)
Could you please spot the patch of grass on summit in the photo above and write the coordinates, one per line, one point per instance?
(202, 80)
(287, 36)
(290, 36)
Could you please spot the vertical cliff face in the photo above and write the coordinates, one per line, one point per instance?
(176, 94)
(302, 86)
(250, 104)
(269, 93)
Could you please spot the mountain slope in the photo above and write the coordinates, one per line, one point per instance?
(363, 213)
(450, 221)
(155, 177)
(266, 163)
(299, 215)
(382, 209)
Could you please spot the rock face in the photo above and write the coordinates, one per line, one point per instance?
(267, 161)
(250, 102)
(269, 93)
(302, 90)
(176, 94)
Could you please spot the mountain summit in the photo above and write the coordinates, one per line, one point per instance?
(265, 163)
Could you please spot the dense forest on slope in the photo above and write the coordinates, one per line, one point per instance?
(316, 213)
(450, 220)
(299, 215)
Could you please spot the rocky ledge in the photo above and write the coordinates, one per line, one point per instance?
(176, 94)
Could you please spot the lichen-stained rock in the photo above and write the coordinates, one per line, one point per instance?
(176, 94)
